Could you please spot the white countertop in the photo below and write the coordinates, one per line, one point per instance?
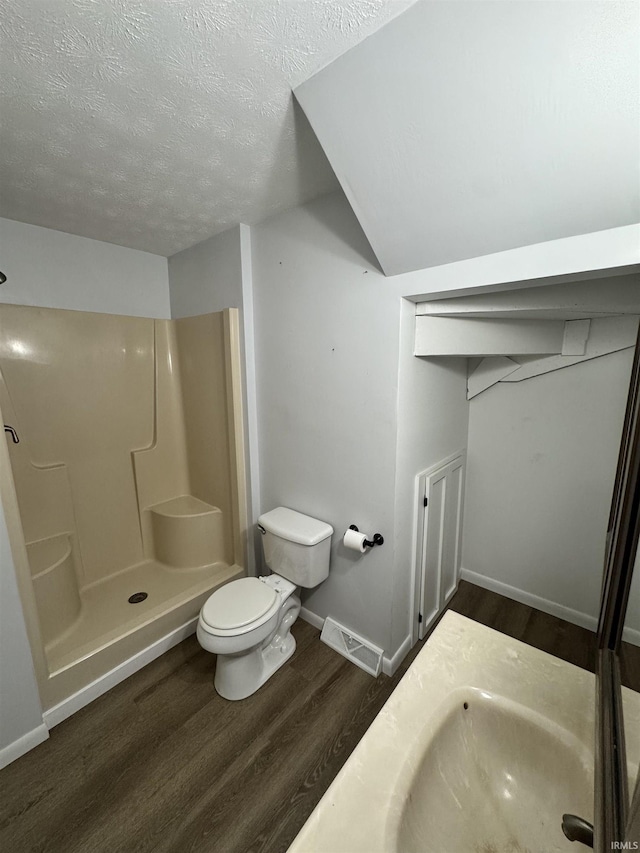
(357, 810)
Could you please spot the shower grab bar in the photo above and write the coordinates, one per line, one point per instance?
(14, 434)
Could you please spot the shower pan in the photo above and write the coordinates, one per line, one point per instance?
(127, 478)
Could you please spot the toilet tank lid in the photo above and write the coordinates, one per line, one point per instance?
(294, 526)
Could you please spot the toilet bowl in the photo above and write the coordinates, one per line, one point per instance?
(247, 623)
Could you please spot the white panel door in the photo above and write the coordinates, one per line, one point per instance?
(440, 531)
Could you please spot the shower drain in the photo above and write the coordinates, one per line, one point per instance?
(137, 597)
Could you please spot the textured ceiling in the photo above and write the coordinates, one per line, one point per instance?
(157, 123)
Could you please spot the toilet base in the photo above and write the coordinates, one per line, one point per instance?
(240, 676)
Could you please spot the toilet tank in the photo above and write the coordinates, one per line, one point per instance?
(296, 546)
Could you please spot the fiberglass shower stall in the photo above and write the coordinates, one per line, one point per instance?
(127, 481)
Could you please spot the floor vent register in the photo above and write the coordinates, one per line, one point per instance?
(353, 647)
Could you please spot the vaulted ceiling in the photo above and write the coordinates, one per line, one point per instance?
(466, 128)
(157, 123)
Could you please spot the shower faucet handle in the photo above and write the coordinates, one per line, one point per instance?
(14, 434)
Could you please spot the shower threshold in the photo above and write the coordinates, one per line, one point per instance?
(109, 628)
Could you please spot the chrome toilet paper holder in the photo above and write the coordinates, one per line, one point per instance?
(377, 538)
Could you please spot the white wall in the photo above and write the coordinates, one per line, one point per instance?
(542, 456)
(460, 129)
(614, 251)
(433, 417)
(207, 277)
(251, 404)
(326, 341)
(335, 371)
(211, 276)
(52, 269)
(347, 416)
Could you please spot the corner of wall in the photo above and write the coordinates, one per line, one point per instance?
(206, 277)
(432, 425)
(391, 663)
(250, 408)
(213, 275)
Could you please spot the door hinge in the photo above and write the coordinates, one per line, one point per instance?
(420, 618)
(426, 501)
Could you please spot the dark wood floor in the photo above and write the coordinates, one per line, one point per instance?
(548, 633)
(162, 763)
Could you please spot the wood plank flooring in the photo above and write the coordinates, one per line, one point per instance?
(162, 763)
(563, 639)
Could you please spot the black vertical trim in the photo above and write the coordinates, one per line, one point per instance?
(611, 794)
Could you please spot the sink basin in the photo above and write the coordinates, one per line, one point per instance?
(495, 778)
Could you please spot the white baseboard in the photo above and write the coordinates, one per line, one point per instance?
(312, 618)
(23, 745)
(584, 620)
(390, 665)
(92, 691)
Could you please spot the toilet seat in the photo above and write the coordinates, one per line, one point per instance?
(239, 607)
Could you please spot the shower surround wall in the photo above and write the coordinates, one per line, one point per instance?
(129, 477)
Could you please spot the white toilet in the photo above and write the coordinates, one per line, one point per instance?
(247, 623)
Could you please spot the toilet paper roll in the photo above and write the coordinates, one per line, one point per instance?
(354, 541)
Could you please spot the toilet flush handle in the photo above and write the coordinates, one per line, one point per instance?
(261, 529)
